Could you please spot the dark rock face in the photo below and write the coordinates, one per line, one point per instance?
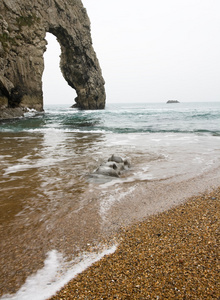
(172, 101)
(23, 27)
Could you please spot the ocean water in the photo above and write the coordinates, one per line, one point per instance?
(124, 118)
(56, 219)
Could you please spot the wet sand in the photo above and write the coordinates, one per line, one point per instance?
(24, 247)
(171, 255)
(47, 204)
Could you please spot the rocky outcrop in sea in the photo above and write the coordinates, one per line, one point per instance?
(172, 101)
(113, 167)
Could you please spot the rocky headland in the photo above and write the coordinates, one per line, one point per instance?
(23, 27)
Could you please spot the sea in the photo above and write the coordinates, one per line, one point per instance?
(57, 218)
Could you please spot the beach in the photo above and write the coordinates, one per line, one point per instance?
(57, 219)
(171, 255)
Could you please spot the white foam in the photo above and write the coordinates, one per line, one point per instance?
(50, 129)
(39, 163)
(51, 278)
(142, 175)
(17, 168)
(111, 199)
(2, 157)
(30, 113)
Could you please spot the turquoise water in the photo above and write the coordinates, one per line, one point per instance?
(199, 118)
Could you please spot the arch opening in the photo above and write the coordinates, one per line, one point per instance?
(56, 90)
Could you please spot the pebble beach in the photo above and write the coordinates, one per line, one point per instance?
(171, 255)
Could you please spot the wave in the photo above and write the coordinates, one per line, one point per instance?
(65, 130)
(21, 167)
(203, 119)
(55, 274)
(114, 130)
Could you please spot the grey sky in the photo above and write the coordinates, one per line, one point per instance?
(149, 51)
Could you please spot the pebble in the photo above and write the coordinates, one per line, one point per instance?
(172, 255)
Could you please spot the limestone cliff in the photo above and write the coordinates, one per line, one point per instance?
(23, 27)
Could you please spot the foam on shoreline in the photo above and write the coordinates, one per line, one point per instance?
(52, 277)
(171, 255)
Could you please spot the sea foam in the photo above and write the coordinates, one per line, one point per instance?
(55, 274)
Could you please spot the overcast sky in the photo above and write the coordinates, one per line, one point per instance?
(149, 51)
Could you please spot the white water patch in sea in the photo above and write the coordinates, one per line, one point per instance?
(23, 167)
(55, 274)
(160, 157)
(30, 113)
(63, 130)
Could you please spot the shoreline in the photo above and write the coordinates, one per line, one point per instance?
(89, 214)
(173, 254)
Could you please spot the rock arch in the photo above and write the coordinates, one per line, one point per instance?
(23, 27)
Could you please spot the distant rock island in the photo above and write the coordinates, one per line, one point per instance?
(172, 101)
(23, 27)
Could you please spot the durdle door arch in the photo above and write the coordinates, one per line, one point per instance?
(23, 27)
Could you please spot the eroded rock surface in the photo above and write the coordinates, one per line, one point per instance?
(23, 27)
(114, 167)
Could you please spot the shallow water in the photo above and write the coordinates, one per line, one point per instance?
(50, 204)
